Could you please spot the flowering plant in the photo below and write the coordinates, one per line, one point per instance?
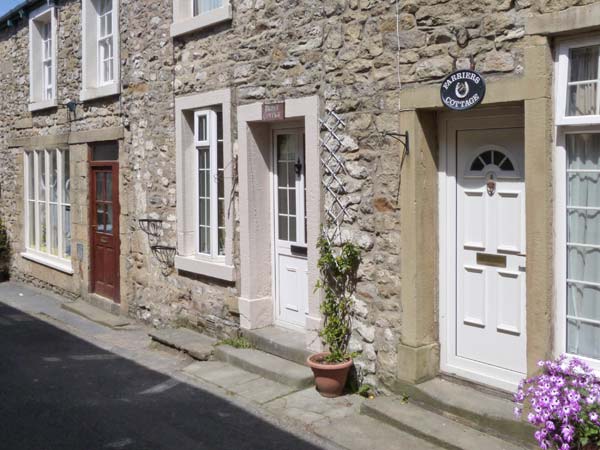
(565, 404)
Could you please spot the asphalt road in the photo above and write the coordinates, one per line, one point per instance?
(58, 392)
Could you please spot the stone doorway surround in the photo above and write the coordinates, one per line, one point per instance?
(419, 350)
(256, 301)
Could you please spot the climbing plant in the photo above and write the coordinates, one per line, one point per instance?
(339, 274)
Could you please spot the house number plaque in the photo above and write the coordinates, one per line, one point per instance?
(273, 111)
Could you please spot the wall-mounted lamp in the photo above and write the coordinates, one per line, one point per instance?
(72, 106)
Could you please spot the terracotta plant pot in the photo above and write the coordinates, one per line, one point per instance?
(591, 447)
(329, 378)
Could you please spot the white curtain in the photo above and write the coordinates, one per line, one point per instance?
(583, 237)
(583, 81)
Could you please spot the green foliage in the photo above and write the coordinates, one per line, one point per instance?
(236, 342)
(338, 281)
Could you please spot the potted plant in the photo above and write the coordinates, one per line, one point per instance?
(338, 281)
(564, 405)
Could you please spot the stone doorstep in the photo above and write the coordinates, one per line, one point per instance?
(95, 314)
(286, 344)
(197, 345)
(266, 365)
(362, 432)
(486, 411)
(432, 427)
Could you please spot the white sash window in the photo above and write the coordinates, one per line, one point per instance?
(578, 199)
(100, 49)
(210, 184)
(42, 58)
(48, 207)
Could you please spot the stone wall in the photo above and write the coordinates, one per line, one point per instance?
(354, 54)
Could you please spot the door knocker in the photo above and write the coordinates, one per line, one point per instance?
(491, 185)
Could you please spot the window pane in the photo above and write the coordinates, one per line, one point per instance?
(283, 228)
(583, 65)
(292, 201)
(42, 176)
(583, 151)
(100, 218)
(583, 301)
(202, 128)
(581, 100)
(583, 226)
(54, 230)
(105, 152)
(202, 6)
(66, 177)
(109, 187)
(53, 176)
(583, 189)
(292, 229)
(99, 186)
(67, 231)
(221, 241)
(109, 219)
(204, 233)
(282, 206)
(583, 338)
(282, 174)
(30, 176)
(583, 264)
(32, 222)
(43, 231)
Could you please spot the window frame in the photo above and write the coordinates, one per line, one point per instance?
(31, 168)
(185, 21)
(109, 37)
(211, 143)
(562, 79)
(188, 110)
(93, 84)
(42, 79)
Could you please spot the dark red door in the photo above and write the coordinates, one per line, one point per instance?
(105, 229)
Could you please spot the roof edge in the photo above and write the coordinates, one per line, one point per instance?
(14, 13)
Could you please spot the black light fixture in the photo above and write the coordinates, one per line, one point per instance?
(72, 106)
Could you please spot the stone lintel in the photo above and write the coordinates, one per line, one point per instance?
(418, 364)
(40, 142)
(64, 140)
(535, 83)
(575, 19)
(103, 134)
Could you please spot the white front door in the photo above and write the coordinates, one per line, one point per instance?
(291, 266)
(487, 305)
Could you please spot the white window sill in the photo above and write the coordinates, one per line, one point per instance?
(44, 104)
(211, 269)
(92, 93)
(53, 262)
(202, 21)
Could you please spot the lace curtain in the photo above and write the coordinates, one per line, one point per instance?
(583, 244)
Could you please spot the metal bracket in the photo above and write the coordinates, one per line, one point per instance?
(400, 137)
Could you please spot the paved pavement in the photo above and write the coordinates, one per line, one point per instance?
(69, 383)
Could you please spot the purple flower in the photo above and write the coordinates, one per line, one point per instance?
(564, 401)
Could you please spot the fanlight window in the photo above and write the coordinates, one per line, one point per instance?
(492, 157)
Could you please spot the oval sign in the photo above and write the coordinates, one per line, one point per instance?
(462, 90)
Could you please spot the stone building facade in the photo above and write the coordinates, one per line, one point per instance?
(192, 84)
